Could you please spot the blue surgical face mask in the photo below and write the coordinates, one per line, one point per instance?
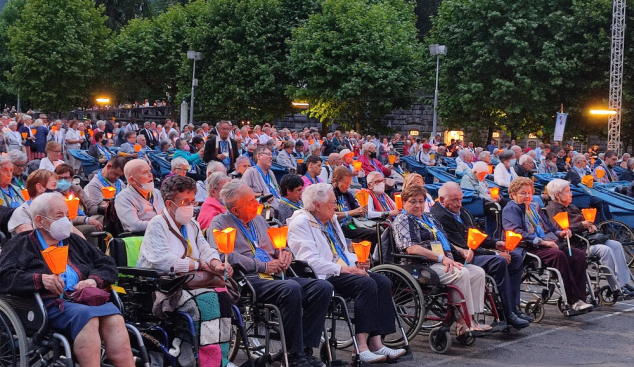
(63, 185)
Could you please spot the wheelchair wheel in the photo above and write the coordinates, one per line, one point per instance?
(13, 342)
(436, 307)
(535, 309)
(466, 339)
(257, 343)
(607, 296)
(621, 232)
(561, 306)
(409, 301)
(440, 340)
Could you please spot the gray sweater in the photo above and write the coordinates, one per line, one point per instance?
(134, 211)
(94, 196)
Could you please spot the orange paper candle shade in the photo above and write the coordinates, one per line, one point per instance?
(431, 156)
(108, 192)
(592, 161)
(24, 135)
(54, 128)
(357, 165)
(300, 161)
(92, 133)
(588, 181)
(600, 173)
(81, 133)
(590, 214)
(137, 147)
(278, 236)
(362, 197)
(73, 205)
(567, 159)
(362, 250)
(56, 258)
(562, 219)
(33, 131)
(225, 239)
(392, 158)
(398, 200)
(475, 238)
(25, 194)
(495, 192)
(490, 170)
(511, 240)
(260, 208)
(311, 141)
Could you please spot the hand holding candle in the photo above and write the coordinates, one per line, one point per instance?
(362, 250)
(108, 192)
(474, 239)
(590, 214)
(225, 240)
(562, 219)
(278, 236)
(363, 196)
(56, 258)
(495, 192)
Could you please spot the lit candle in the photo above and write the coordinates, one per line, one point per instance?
(495, 192)
(25, 194)
(362, 250)
(73, 205)
(108, 192)
(137, 147)
(398, 200)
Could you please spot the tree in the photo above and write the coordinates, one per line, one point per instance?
(145, 58)
(58, 50)
(9, 16)
(356, 61)
(243, 72)
(120, 12)
(510, 64)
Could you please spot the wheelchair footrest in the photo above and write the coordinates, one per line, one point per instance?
(500, 326)
(572, 313)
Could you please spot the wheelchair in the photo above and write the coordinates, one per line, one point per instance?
(137, 287)
(26, 338)
(422, 302)
(619, 231)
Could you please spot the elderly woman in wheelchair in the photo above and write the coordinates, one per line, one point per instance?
(417, 233)
(174, 242)
(610, 252)
(23, 270)
(544, 240)
(315, 237)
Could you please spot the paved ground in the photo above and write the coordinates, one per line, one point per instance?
(604, 337)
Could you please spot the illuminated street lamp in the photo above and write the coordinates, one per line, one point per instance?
(301, 105)
(103, 100)
(603, 112)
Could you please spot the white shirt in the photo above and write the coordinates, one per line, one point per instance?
(19, 217)
(161, 249)
(502, 176)
(46, 164)
(262, 139)
(72, 135)
(309, 243)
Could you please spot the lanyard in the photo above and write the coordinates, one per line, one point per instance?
(268, 181)
(250, 233)
(108, 184)
(334, 243)
(375, 167)
(534, 220)
(317, 180)
(296, 206)
(19, 183)
(104, 151)
(510, 173)
(189, 245)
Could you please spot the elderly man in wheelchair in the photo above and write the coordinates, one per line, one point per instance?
(315, 237)
(24, 271)
(610, 252)
(302, 303)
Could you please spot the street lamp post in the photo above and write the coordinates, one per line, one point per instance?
(192, 55)
(436, 50)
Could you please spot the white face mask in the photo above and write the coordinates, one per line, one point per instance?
(148, 187)
(60, 229)
(184, 214)
(379, 188)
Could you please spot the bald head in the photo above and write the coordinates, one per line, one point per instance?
(450, 197)
(517, 150)
(138, 173)
(334, 159)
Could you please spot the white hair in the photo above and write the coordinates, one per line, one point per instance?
(18, 156)
(443, 191)
(27, 117)
(577, 157)
(178, 162)
(483, 154)
(229, 191)
(215, 180)
(316, 193)
(215, 166)
(313, 147)
(367, 146)
(372, 175)
(556, 186)
(480, 166)
(43, 203)
(524, 158)
(5, 160)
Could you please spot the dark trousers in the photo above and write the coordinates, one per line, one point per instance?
(373, 308)
(303, 304)
(572, 269)
(507, 277)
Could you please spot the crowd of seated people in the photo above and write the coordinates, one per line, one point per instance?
(217, 177)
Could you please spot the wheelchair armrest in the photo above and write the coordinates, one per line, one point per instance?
(301, 269)
(536, 258)
(418, 258)
(140, 272)
(99, 234)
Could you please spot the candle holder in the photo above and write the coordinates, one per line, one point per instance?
(278, 236)
(73, 206)
(225, 240)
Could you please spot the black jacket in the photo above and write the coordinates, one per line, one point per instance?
(521, 172)
(457, 232)
(22, 265)
(627, 176)
(149, 138)
(211, 153)
(573, 177)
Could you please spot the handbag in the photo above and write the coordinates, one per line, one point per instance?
(89, 296)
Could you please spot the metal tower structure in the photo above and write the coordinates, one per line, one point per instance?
(616, 74)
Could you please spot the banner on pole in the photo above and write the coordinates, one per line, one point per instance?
(560, 126)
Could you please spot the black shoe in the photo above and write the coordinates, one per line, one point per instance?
(297, 360)
(524, 316)
(516, 322)
(626, 292)
(314, 361)
(629, 287)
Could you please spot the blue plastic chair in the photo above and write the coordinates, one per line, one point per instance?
(88, 162)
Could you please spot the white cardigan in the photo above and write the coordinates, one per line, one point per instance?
(502, 177)
(308, 242)
(161, 249)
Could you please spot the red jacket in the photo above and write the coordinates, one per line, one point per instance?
(368, 167)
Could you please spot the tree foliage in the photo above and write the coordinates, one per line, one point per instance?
(510, 64)
(120, 12)
(9, 16)
(243, 73)
(58, 50)
(356, 60)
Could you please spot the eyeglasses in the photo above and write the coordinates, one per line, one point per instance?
(416, 202)
(524, 194)
(19, 165)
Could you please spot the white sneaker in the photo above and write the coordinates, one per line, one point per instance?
(582, 306)
(369, 357)
(390, 353)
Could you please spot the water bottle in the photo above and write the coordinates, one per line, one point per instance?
(415, 273)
